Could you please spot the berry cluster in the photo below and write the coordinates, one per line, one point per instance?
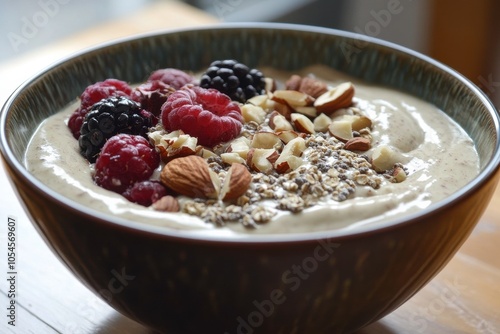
(93, 94)
(113, 120)
(109, 117)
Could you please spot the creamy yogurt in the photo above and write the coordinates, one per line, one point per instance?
(438, 154)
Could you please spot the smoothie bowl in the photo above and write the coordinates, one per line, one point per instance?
(289, 179)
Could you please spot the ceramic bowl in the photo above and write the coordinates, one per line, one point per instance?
(179, 283)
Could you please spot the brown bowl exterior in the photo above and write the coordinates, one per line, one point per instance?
(323, 283)
(330, 285)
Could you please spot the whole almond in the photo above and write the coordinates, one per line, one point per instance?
(357, 144)
(190, 176)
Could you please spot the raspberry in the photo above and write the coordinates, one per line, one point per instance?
(76, 120)
(124, 160)
(93, 94)
(234, 79)
(172, 76)
(152, 94)
(206, 114)
(103, 89)
(108, 117)
(145, 192)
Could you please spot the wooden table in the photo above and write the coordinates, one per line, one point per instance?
(463, 298)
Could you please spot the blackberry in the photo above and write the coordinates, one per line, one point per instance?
(234, 79)
(108, 117)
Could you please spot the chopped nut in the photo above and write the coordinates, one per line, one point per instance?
(342, 130)
(292, 98)
(236, 182)
(166, 204)
(399, 174)
(302, 123)
(262, 159)
(321, 123)
(312, 87)
(278, 122)
(383, 158)
(357, 144)
(266, 140)
(174, 144)
(253, 113)
(336, 98)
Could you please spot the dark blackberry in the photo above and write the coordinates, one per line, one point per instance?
(234, 79)
(109, 117)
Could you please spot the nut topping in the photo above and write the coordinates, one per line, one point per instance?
(236, 183)
(307, 85)
(358, 144)
(321, 123)
(278, 122)
(262, 159)
(167, 204)
(298, 145)
(266, 140)
(342, 130)
(190, 176)
(174, 144)
(335, 98)
(302, 123)
(383, 158)
(292, 98)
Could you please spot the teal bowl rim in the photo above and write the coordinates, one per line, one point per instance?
(198, 236)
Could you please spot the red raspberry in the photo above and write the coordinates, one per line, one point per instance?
(103, 89)
(172, 76)
(204, 113)
(146, 192)
(93, 94)
(124, 160)
(76, 120)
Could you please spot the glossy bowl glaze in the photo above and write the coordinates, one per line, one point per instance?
(325, 282)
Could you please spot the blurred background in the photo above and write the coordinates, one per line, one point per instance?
(463, 34)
